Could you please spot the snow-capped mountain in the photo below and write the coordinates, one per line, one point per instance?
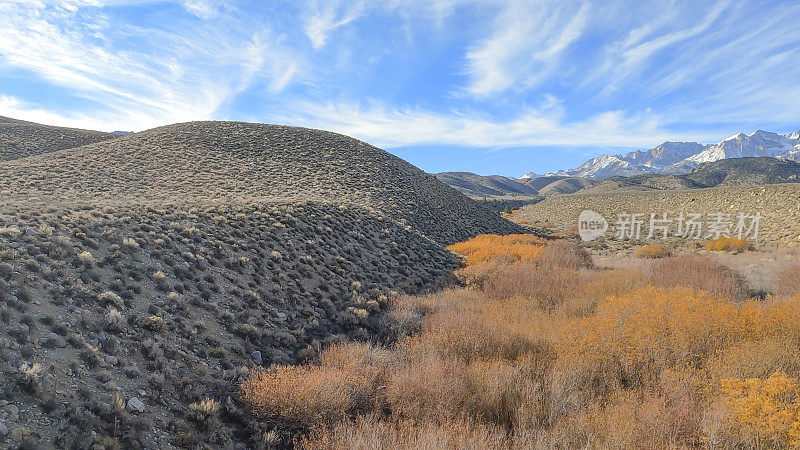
(676, 158)
(529, 175)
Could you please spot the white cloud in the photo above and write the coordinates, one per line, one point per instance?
(526, 44)
(326, 15)
(391, 128)
(140, 77)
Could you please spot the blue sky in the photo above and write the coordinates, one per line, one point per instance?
(484, 86)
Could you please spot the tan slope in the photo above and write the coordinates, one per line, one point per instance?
(20, 139)
(209, 162)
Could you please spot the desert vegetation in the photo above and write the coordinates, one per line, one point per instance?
(540, 348)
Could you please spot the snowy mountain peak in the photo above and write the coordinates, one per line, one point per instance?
(681, 157)
(529, 175)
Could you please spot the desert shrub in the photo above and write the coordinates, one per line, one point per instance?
(699, 272)
(631, 340)
(566, 255)
(205, 411)
(468, 334)
(787, 282)
(364, 362)
(510, 248)
(763, 413)
(86, 257)
(546, 288)
(372, 433)
(757, 358)
(652, 251)
(728, 244)
(513, 394)
(300, 395)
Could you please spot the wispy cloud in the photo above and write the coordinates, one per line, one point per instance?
(390, 128)
(175, 73)
(323, 16)
(526, 45)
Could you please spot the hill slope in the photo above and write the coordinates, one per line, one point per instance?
(19, 139)
(564, 186)
(231, 161)
(484, 186)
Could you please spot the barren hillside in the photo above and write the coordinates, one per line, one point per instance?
(19, 138)
(241, 162)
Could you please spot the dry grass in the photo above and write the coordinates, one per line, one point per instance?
(652, 251)
(701, 273)
(787, 281)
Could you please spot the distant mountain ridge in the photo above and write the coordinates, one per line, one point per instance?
(746, 171)
(485, 186)
(678, 158)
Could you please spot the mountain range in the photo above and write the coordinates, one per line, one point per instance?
(677, 158)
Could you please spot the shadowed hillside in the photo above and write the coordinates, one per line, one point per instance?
(19, 139)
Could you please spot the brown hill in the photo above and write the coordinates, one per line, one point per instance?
(564, 186)
(485, 186)
(19, 139)
(240, 162)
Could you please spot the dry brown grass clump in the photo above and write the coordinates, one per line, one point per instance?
(652, 251)
(699, 272)
(728, 244)
(372, 433)
(788, 281)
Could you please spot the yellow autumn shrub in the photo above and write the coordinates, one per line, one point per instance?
(728, 244)
(764, 413)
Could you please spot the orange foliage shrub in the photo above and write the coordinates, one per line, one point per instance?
(510, 248)
(631, 340)
(700, 273)
(764, 413)
(651, 251)
(728, 244)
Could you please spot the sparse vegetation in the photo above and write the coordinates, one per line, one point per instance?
(728, 244)
(652, 251)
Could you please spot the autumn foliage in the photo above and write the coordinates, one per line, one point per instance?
(652, 251)
(545, 350)
(728, 244)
